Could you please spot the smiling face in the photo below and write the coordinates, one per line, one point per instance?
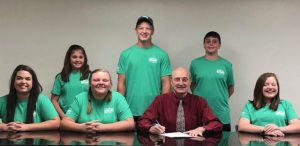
(77, 59)
(23, 82)
(100, 84)
(144, 32)
(180, 81)
(270, 88)
(211, 45)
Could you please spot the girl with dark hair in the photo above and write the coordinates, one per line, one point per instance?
(72, 80)
(267, 113)
(99, 109)
(25, 108)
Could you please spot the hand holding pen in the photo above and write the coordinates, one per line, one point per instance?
(156, 128)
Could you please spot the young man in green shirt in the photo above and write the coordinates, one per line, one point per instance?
(212, 78)
(143, 69)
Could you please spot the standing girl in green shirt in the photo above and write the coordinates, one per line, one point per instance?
(267, 113)
(72, 80)
(25, 108)
(99, 109)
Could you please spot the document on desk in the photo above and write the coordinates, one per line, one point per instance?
(175, 134)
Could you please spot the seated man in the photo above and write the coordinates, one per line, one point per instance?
(179, 110)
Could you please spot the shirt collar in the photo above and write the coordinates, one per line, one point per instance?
(184, 99)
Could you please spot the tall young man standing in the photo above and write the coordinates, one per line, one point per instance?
(143, 69)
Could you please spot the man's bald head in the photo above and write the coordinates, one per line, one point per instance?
(180, 70)
(181, 81)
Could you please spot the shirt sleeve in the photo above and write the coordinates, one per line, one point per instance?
(290, 111)
(193, 78)
(165, 66)
(48, 111)
(74, 110)
(211, 122)
(246, 112)
(192, 71)
(124, 111)
(56, 90)
(230, 79)
(121, 64)
(149, 117)
(3, 108)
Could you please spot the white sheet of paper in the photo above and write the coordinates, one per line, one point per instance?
(175, 134)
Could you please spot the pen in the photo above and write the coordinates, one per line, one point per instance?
(162, 129)
(156, 122)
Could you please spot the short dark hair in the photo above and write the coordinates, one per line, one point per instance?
(212, 34)
(146, 19)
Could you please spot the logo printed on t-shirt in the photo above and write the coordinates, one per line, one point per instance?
(68, 112)
(152, 60)
(220, 71)
(280, 113)
(84, 81)
(108, 110)
(34, 114)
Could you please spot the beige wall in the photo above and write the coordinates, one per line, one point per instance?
(257, 36)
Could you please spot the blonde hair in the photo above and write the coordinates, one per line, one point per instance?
(90, 95)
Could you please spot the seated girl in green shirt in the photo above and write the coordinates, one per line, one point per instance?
(99, 109)
(25, 108)
(267, 113)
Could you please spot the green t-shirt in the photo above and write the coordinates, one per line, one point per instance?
(44, 110)
(143, 69)
(104, 111)
(211, 80)
(263, 116)
(68, 90)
